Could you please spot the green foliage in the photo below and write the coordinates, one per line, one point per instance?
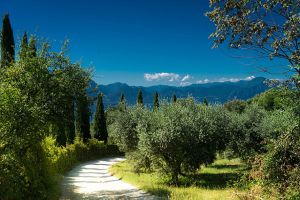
(140, 100)
(174, 98)
(122, 129)
(37, 95)
(281, 165)
(177, 137)
(205, 102)
(235, 106)
(24, 46)
(7, 42)
(212, 182)
(246, 139)
(276, 123)
(278, 167)
(155, 101)
(62, 159)
(70, 124)
(100, 129)
(274, 99)
(269, 26)
(83, 118)
(122, 102)
(32, 51)
(182, 136)
(269, 141)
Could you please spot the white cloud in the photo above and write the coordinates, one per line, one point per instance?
(185, 83)
(249, 78)
(203, 81)
(228, 80)
(223, 79)
(186, 78)
(158, 76)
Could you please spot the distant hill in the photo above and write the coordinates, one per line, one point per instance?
(218, 92)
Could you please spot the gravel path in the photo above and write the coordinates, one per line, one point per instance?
(92, 180)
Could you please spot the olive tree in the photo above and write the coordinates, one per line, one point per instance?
(180, 137)
(122, 128)
(246, 138)
(271, 27)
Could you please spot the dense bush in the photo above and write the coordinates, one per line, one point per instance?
(122, 128)
(62, 159)
(36, 97)
(273, 154)
(176, 138)
(235, 105)
(274, 99)
(246, 139)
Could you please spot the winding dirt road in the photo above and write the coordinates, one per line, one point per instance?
(92, 180)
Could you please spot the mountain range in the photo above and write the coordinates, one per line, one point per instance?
(217, 92)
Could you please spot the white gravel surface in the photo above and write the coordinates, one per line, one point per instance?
(92, 180)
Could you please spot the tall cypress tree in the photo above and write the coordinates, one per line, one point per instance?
(205, 101)
(100, 129)
(7, 42)
(24, 46)
(174, 98)
(122, 98)
(122, 102)
(155, 101)
(61, 137)
(140, 100)
(32, 48)
(83, 118)
(71, 124)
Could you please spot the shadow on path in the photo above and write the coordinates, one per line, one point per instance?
(92, 180)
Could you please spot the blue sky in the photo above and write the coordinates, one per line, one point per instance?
(139, 42)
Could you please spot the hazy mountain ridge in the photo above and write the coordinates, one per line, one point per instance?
(218, 92)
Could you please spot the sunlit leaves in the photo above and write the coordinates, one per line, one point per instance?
(271, 27)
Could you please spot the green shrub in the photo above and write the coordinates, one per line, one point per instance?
(281, 165)
(246, 139)
(122, 131)
(176, 138)
(63, 159)
(236, 105)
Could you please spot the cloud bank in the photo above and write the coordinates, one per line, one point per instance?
(159, 76)
(187, 79)
(223, 79)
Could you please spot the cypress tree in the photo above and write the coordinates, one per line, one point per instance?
(7, 42)
(174, 98)
(140, 98)
(71, 124)
(61, 138)
(155, 101)
(83, 118)
(32, 48)
(100, 129)
(122, 98)
(24, 46)
(122, 102)
(205, 102)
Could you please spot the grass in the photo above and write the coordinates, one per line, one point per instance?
(213, 182)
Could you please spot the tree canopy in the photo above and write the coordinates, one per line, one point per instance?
(271, 27)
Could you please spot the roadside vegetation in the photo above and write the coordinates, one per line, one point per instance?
(176, 140)
(44, 120)
(212, 182)
(180, 149)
